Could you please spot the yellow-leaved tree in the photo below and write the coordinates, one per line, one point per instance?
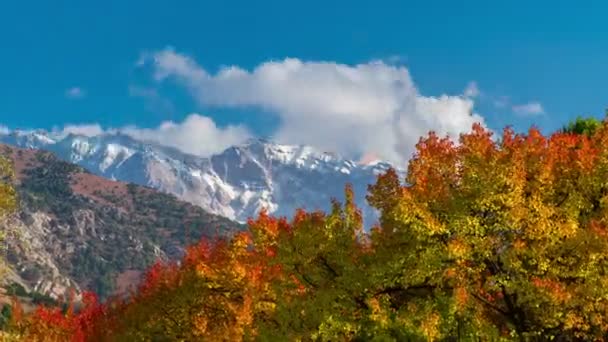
(7, 199)
(7, 204)
(488, 239)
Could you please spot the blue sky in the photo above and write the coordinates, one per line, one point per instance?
(75, 62)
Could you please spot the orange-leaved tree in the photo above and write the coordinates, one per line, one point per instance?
(77, 323)
(214, 294)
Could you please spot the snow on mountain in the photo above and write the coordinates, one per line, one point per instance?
(236, 183)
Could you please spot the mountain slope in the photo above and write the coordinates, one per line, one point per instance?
(75, 229)
(236, 183)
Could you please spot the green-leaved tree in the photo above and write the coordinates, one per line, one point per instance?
(582, 125)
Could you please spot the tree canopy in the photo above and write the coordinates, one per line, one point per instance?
(8, 203)
(7, 196)
(7, 191)
(582, 125)
(491, 239)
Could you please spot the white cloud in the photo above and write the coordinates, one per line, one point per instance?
(4, 130)
(89, 130)
(75, 93)
(531, 108)
(472, 90)
(197, 135)
(365, 108)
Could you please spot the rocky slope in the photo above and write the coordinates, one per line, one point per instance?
(236, 183)
(77, 230)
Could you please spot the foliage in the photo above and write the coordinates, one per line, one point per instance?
(55, 324)
(5, 316)
(581, 125)
(507, 238)
(212, 295)
(46, 187)
(7, 190)
(487, 239)
(8, 202)
(17, 290)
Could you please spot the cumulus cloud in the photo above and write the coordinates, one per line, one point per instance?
(75, 93)
(197, 135)
(527, 109)
(351, 109)
(89, 130)
(531, 108)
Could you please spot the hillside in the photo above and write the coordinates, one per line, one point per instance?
(75, 229)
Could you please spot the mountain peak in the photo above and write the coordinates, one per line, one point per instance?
(235, 183)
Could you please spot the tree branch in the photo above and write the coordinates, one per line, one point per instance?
(490, 305)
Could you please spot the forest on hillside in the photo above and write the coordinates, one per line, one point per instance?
(487, 239)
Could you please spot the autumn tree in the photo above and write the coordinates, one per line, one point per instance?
(213, 294)
(498, 239)
(7, 204)
(323, 288)
(78, 322)
(485, 239)
(7, 191)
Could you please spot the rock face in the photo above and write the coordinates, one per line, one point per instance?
(236, 183)
(33, 253)
(81, 231)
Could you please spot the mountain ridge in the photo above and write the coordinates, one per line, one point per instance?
(236, 183)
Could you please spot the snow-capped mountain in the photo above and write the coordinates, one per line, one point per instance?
(236, 183)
